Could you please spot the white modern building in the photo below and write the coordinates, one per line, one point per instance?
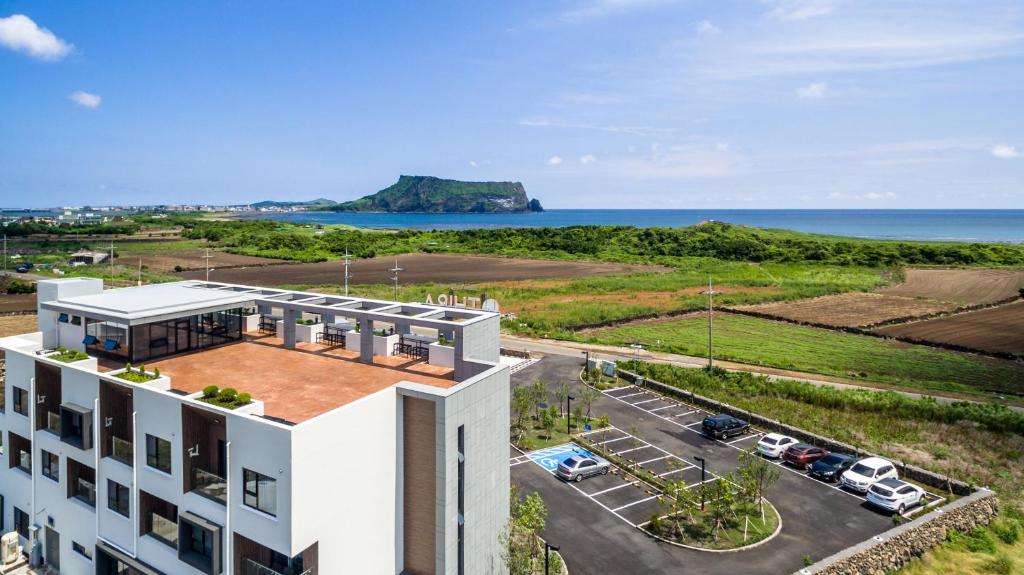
(271, 431)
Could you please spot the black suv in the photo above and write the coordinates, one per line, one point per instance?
(832, 466)
(723, 426)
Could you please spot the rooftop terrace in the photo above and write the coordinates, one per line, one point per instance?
(298, 384)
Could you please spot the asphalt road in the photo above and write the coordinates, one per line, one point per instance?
(817, 520)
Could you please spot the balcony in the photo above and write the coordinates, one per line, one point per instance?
(209, 485)
(53, 422)
(122, 450)
(250, 567)
(25, 462)
(164, 530)
(84, 491)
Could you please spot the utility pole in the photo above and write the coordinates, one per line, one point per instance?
(111, 260)
(348, 261)
(5, 253)
(711, 293)
(207, 258)
(395, 270)
(140, 272)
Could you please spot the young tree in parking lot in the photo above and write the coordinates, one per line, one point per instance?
(577, 415)
(561, 395)
(755, 476)
(520, 545)
(682, 501)
(539, 392)
(588, 395)
(721, 496)
(547, 421)
(521, 400)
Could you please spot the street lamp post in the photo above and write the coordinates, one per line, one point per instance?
(701, 460)
(568, 414)
(547, 549)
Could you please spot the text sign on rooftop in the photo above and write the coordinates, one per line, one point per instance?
(465, 302)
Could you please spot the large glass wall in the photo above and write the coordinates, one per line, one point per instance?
(159, 339)
(107, 339)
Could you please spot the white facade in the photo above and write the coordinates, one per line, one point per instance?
(338, 478)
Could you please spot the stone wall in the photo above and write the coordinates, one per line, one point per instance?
(898, 546)
(912, 472)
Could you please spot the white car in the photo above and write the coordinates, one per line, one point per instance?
(867, 472)
(774, 445)
(895, 495)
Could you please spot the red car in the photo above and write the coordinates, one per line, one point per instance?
(801, 455)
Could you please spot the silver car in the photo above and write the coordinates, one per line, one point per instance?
(577, 467)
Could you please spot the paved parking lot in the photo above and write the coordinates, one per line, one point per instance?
(594, 521)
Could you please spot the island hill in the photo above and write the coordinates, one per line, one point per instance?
(435, 195)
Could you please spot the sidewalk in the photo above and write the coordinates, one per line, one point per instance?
(576, 349)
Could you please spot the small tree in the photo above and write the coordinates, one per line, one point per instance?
(539, 392)
(521, 400)
(588, 395)
(561, 395)
(547, 421)
(755, 476)
(577, 415)
(721, 498)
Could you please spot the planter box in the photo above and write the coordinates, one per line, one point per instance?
(383, 345)
(250, 323)
(441, 355)
(308, 333)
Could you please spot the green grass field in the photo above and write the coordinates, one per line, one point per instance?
(776, 344)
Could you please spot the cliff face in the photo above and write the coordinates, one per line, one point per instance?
(430, 194)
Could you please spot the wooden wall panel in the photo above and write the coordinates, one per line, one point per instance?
(419, 485)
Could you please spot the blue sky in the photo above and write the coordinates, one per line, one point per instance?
(589, 103)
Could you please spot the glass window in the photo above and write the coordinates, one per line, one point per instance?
(21, 401)
(21, 522)
(260, 492)
(158, 453)
(76, 320)
(51, 465)
(81, 550)
(117, 497)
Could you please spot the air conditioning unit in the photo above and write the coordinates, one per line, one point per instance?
(9, 549)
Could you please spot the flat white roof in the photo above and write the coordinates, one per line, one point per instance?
(152, 300)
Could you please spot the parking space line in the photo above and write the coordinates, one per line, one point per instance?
(636, 502)
(688, 425)
(744, 438)
(634, 449)
(629, 395)
(616, 439)
(673, 471)
(646, 401)
(628, 484)
(655, 459)
(687, 413)
(660, 408)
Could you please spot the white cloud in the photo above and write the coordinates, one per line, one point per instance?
(800, 9)
(705, 28)
(587, 159)
(19, 33)
(812, 91)
(554, 160)
(722, 147)
(590, 9)
(472, 163)
(645, 131)
(1005, 151)
(870, 196)
(86, 100)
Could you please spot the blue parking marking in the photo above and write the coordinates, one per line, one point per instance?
(550, 457)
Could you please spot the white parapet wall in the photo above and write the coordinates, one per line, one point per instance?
(441, 355)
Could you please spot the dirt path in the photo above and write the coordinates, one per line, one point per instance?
(420, 268)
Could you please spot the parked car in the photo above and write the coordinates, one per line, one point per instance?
(24, 268)
(832, 466)
(895, 495)
(723, 426)
(774, 444)
(578, 467)
(867, 472)
(801, 455)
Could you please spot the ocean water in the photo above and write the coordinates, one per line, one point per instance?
(937, 225)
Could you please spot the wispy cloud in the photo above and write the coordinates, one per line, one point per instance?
(590, 9)
(813, 91)
(646, 131)
(869, 196)
(19, 33)
(705, 29)
(1005, 151)
(587, 159)
(555, 161)
(799, 9)
(86, 100)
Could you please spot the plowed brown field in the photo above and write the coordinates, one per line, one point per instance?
(851, 309)
(992, 329)
(962, 286)
(165, 261)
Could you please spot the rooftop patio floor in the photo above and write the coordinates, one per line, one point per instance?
(295, 384)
